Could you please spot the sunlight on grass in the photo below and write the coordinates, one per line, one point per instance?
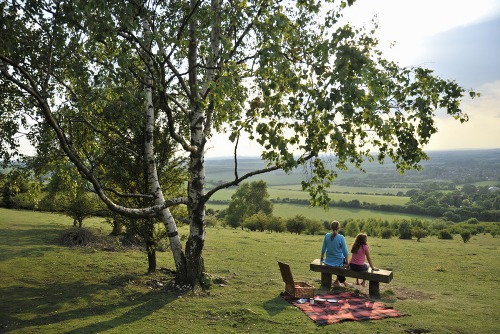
(48, 288)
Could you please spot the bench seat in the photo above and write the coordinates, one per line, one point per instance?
(374, 277)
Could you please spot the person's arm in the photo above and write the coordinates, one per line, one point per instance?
(345, 252)
(323, 250)
(370, 260)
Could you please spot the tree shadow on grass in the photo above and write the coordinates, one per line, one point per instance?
(26, 306)
(15, 241)
(275, 305)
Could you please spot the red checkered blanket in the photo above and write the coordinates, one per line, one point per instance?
(336, 307)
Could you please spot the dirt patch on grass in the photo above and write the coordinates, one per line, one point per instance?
(86, 237)
(417, 331)
(403, 293)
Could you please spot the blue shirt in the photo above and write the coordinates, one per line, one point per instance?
(336, 250)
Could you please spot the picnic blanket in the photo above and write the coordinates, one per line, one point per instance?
(335, 307)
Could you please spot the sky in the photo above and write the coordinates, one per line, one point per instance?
(458, 39)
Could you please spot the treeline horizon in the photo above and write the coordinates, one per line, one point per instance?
(456, 206)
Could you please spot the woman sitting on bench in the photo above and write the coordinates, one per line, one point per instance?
(336, 251)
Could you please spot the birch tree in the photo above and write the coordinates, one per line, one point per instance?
(284, 73)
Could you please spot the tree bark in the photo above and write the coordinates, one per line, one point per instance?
(164, 215)
(150, 246)
(117, 228)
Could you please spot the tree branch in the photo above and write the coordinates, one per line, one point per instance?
(238, 180)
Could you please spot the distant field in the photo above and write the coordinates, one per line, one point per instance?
(289, 210)
(296, 193)
(348, 189)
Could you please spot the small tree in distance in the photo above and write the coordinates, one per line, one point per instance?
(466, 235)
(419, 233)
(404, 230)
(296, 224)
(249, 199)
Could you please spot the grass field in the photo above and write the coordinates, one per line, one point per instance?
(294, 192)
(442, 286)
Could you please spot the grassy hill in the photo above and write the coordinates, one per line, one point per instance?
(442, 286)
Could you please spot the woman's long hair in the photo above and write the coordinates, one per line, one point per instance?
(358, 242)
(335, 229)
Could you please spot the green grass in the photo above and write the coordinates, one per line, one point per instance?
(293, 192)
(443, 286)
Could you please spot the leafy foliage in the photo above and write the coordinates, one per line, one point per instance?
(283, 72)
(249, 199)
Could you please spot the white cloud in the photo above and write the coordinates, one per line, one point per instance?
(481, 131)
(410, 23)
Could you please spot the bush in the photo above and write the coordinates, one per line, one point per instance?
(211, 221)
(251, 224)
(352, 229)
(472, 221)
(445, 235)
(405, 231)
(419, 233)
(313, 226)
(77, 236)
(296, 224)
(465, 236)
(386, 233)
(276, 224)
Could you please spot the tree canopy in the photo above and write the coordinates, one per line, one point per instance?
(88, 78)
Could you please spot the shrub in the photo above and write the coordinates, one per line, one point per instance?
(256, 222)
(352, 229)
(445, 235)
(404, 231)
(386, 233)
(419, 233)
(313, 226)
(472, 221)
(276, 224)
(211, 221)
(77, 237)
(465, 236)
(251, 224)
(296, 224)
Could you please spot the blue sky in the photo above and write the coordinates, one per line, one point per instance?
(458, 39)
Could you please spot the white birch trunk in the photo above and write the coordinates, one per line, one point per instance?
(199, 122)
(164, 215)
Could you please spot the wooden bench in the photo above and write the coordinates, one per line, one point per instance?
(374, 277)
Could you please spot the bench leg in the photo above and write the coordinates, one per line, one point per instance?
(326, 280)
(374, 289)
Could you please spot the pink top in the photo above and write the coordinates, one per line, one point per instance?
(359, 257)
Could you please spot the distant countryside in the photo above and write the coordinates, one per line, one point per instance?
(453, 186)
(435, 228)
